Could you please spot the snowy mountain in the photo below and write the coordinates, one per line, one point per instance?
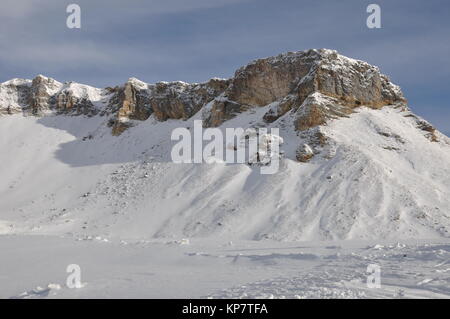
(356, 162)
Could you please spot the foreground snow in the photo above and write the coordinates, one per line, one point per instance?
(35, 267)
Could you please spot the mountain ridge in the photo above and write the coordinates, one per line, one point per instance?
(289, 78)
(355, 162)
(315, 86)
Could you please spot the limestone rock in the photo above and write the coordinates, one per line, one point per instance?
(262, 82)
(221, 110)
(78, 99)
(313, 86)
(354, 82)
(166, 100)
(130, 102)
(136, 101)
(42, 95)
(278, 109)
(179, 100)
(304, 153)
(291, 78)
(14, 96)
(317, 109)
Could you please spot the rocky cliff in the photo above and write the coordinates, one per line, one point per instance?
(314, 85)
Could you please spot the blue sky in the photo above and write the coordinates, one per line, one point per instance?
(194, 40)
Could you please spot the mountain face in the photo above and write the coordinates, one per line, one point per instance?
(356, 162)
(290, 79)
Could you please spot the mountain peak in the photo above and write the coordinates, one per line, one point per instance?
(290, 78)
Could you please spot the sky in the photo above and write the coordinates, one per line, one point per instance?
(194, 40)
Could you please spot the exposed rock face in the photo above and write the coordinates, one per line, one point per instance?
(261, 83)
(353, 82)
(179, 100)
(221, 110)
(77, 99)
(317, 109)
(292, 78)
(174, 100)
(132, 103)
(136, 101)
(315, 85)
(42, 97)
(68, 102)
(267, 80)
(14, 96)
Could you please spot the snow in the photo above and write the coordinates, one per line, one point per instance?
(52, 86)
(10, 97)
(138, 83)
(35, 267)
(83, 91)
(382, 185)
(136, 223)
(16, 82)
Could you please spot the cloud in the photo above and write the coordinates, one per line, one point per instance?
(198, 39)
(23, 9)
(52, 55)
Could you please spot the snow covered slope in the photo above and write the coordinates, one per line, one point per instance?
(34, 267)
(85, 162)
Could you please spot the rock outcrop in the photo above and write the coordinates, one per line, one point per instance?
(179, 100)
(314, 85)
(166, 100)
(42, 97)
(78, 99)
(14, 96)
(294, 78)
